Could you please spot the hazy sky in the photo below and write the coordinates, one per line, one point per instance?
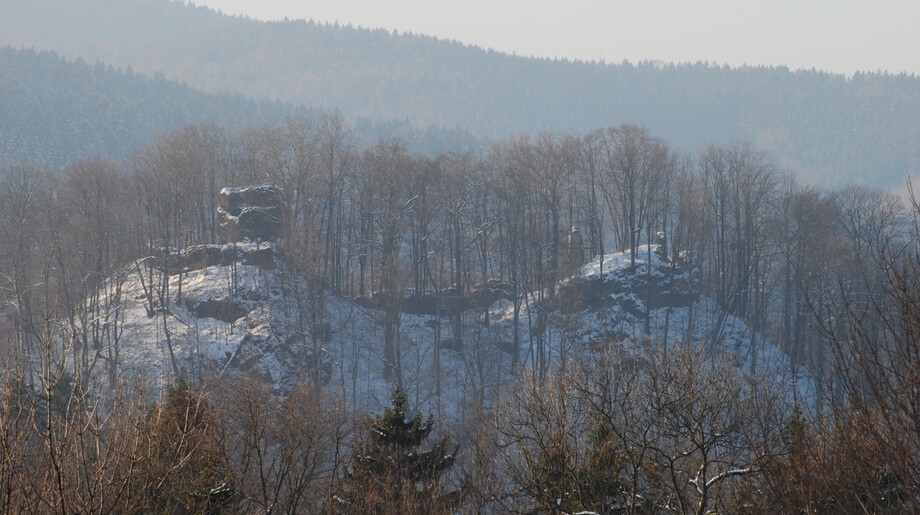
(835, 35)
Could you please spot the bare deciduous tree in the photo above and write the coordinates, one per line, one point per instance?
(638, 434)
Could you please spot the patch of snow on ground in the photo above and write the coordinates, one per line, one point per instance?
(274, 342)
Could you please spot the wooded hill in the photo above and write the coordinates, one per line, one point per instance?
(54, 111)
(588, 370)
(829, 128)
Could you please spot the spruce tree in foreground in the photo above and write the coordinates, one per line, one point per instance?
(390, 474)
(185, 470)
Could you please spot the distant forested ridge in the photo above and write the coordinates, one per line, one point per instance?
(53, 111)
(829, 128)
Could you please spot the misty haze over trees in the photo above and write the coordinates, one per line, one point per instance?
(94, 111)
(598, 315)
(831, 129)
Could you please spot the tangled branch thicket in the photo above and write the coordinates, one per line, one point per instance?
(832, 277)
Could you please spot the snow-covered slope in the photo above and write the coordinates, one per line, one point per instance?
(256, 319)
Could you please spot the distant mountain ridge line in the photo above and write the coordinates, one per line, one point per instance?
(832, 129)
(54, 111)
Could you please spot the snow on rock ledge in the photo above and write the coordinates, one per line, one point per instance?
(252, 213)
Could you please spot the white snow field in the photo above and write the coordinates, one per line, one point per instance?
(254, 320)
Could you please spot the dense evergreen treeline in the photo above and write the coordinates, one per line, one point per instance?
(827, 274)
(53, 112)
(832, 129)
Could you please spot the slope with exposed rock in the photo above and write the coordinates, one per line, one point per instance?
(239, 315)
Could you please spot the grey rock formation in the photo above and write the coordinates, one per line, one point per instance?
(252, 213)
(447, 302)
(667, 286)
(199, 257)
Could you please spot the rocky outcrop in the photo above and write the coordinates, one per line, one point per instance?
(225, 309)
(484, 295)
(663, 286)
(198, 257)
(252, 213)
(415, 303)
(446, 302)
(250, 222)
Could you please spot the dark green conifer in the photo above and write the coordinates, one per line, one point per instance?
(389, 471)
(186, 470)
